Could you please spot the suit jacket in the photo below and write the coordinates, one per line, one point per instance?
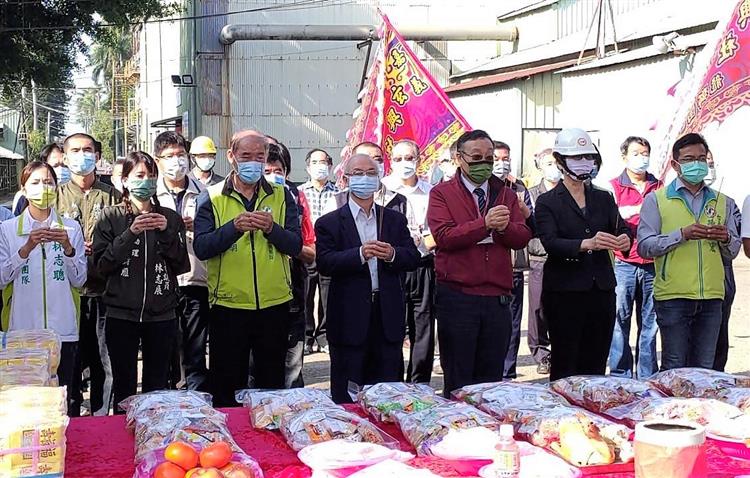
(350, 292)
(562, 226)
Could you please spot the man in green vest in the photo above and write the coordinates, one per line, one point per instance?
(246, 229)
(685, 228)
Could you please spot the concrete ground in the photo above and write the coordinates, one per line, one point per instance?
(316, 369)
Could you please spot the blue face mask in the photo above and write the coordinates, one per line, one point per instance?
(63, 174)
(250, 171)
(81, 163)
(694, 172)
(364, 186)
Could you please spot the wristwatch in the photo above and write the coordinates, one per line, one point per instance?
(72, 252)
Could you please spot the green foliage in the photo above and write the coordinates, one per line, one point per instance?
(102, 129)
(37, 140)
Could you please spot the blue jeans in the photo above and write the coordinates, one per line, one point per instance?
(689, 330)
(635, 285)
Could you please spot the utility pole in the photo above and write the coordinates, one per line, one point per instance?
(34, 105)
(23, 125)
(49, 121)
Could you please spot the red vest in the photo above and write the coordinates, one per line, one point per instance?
(629, 200)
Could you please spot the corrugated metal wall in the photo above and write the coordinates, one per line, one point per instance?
(576, 15)
(541, 96)
(9, 121)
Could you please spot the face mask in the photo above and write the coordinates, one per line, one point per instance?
(142, 189)
(381, 170)
(404, 169)
(551, 173)
(449, 170)
(501, 169)
(319, 172)
(480, 172)
(694, 172)
(205, 164)
(579, 169)
(82, 163)
(711, 176)
(363, 186)
(117, 183)
(274, 178)
(595, 172)
(638, 164)
(175, 168)
(42, 196)
(63, 174)
(250, 171)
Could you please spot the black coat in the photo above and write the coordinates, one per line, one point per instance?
(350, 292)
(562, 226)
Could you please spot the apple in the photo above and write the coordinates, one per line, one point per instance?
(237, 470)
(204, 473)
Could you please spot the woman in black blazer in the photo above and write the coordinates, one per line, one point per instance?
(579, 225)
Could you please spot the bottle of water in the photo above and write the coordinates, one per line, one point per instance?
(507, 456)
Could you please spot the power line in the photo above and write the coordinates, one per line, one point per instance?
(301, 5)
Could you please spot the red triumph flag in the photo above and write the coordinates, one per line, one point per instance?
(403, 101)
(720, 85)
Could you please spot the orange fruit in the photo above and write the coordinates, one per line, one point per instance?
(169, 470)
(216, 455)
(182, 454)
(237, 470)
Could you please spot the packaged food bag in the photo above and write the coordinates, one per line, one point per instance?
(382, 400)
(21, 398)
(697, 382)
(602, 394)
(44, 339)
(24, 367)
(32, 444)
(509, 394)
(268, 407)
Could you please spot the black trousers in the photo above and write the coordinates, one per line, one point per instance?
(156, 340)
(722, 345)
(66, 373)
(92, 354)
(419, 286)
(377, 360)
(315, 330)
(538, 335)
(235, 334)
(189, 354)
(295, 350)
(580, 330)
(474, 332)
(516, 315)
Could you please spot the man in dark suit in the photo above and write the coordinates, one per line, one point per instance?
(364, 248)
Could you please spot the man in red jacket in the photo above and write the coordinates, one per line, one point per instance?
(476, 222)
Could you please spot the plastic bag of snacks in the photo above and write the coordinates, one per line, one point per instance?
(603, 394)
(44, 339)
(24, 367)
(267, 407)
(22, 398)
(738, 397)
(328, 423)
(697, 382)
(506, 394)
(32, 443)
(569, 431)
(381, 400)
(428, 427)
(153, 404)
(720, 419)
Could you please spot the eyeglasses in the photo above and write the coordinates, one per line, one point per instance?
(475, 158)
(360, 173)
(174, 156)
(689, 159)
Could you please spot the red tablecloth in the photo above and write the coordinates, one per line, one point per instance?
(101, 447)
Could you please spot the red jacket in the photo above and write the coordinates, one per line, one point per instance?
(457, 226)
(629, 201)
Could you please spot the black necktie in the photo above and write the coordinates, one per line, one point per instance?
(481, 199)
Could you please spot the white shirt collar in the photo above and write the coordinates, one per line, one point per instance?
(395, 184)
(356, 209)
(471, 186)
(29, 223)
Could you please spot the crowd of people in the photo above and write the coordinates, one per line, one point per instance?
(164, 256)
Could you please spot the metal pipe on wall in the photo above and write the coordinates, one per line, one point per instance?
(235, 32)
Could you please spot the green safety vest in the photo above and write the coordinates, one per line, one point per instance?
(7, 292)
(252, 274)
(694, 270)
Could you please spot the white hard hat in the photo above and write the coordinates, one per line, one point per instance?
(573, 142)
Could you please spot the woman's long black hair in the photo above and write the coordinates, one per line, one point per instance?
(131, 161)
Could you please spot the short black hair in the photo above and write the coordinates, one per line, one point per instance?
(634, 139)
(79, 135)
(167, 139)
(318, 150)
(278, 152)
(49, 149)
(688, 140)
(97, 146)
(453, 148)
(472, 136)
(501, 145)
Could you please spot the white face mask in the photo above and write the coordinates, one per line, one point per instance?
(175, 167)
(274, 178)
(381, 170)
(117, 183)
(319, 172)
(711, 177)
(638, 163)
(448, 169)
(551, 173)
(205, 163)
(404, 169)
(501, 169)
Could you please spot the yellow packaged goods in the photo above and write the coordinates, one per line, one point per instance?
(44, 339)
(32, 444)
(24, 367)
(52, 399)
